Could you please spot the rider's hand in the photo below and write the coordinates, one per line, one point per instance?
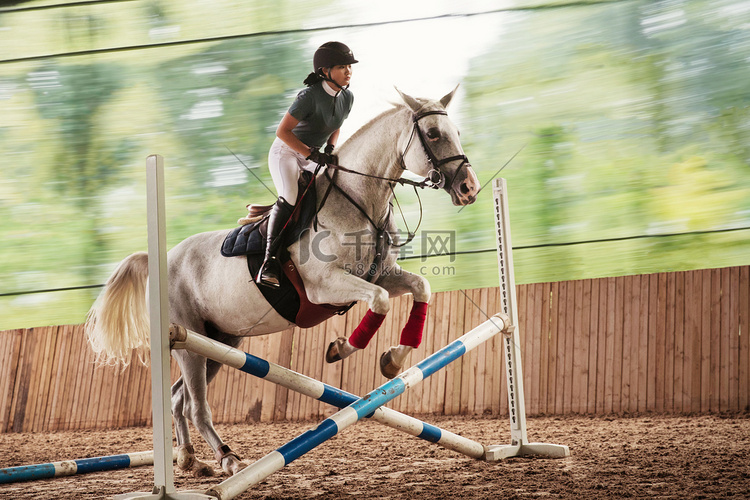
(321, 158)
(329, 151)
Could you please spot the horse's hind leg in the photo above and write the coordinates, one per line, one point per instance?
(186, 459)
(197, 372)
(228, 460)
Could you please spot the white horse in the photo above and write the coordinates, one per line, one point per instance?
(216, 296)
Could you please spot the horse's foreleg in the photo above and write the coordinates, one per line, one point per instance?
(399, 282)
(346, 288)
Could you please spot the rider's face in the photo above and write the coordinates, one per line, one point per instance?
(341, 74)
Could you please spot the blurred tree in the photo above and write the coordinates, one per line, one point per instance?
(86, 164)
(11, 3)
(548, 171)
(633, 89)
(231, 95)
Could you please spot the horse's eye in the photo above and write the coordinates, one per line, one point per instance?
(433, 134)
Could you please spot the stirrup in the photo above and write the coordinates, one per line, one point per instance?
(268, 276)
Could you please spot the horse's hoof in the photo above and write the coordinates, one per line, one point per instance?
(232, 464)
(202, 469)
(387, 367)
(235, 467)
(229, 460)
(333, 353)
(185, 457)
(187, 462)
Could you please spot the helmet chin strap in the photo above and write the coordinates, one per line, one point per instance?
(327, 78)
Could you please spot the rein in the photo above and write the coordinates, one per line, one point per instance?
(425, 183)
(379, 230)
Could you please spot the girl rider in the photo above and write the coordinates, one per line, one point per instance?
(312, 121)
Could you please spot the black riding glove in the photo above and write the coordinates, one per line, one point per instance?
(329, 152)
(321, 158)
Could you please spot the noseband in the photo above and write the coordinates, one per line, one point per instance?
(435, 176)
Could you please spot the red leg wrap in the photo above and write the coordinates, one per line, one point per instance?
(411, 335)
(366, 330)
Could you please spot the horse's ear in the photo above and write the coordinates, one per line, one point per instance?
(447, 98)
(409, 100)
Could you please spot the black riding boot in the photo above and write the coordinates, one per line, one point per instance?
(270, 271)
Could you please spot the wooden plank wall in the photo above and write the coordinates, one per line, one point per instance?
(664, 343)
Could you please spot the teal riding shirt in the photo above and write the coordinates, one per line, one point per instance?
(319, 113)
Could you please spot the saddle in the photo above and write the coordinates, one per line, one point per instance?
(249, 241)
(250, 237)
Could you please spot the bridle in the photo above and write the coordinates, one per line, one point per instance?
(435, 176)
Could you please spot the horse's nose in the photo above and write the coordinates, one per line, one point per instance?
(469, 187)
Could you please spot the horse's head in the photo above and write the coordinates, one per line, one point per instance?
(433, 149)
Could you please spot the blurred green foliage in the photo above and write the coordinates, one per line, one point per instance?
(632, 119)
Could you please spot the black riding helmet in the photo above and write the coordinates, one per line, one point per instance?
(332, 54)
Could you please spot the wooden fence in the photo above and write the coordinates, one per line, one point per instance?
(667, 343)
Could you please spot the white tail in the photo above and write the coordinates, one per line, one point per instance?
(118, 324)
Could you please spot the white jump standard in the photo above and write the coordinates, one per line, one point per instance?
(519, 445)
(158, 303)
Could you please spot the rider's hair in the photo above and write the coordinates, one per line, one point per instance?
(314, 78)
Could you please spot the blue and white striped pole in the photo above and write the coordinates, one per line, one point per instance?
(72, 467)
(361, 408)
(185, 339)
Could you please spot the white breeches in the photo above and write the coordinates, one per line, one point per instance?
(285, 165)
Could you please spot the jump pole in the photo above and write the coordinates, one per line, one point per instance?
(185, 339)
(519, 445)
(159, 322)
(79, 466)
(276, 460)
